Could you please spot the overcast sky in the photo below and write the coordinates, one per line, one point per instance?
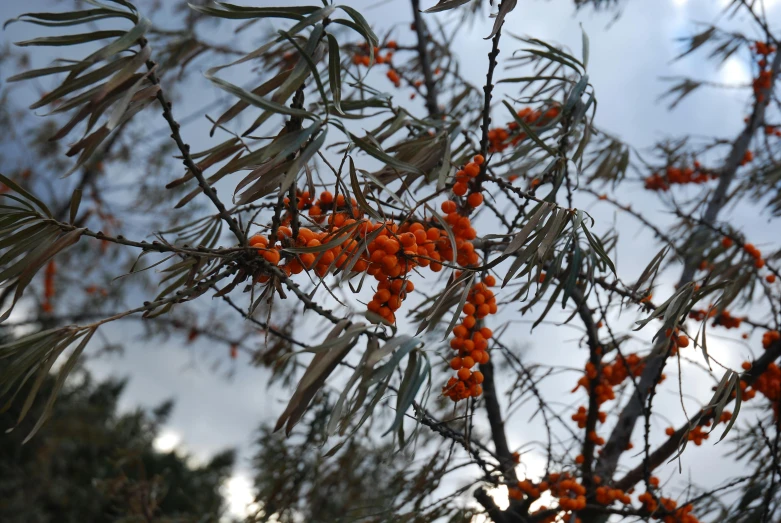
(628, 58)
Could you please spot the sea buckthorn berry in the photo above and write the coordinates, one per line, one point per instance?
(479, 159)
(475, 200)
(326, 197)
(272, 256)
(460, 189)
(449, 206)
(258, 239)
(460, 331)
(284, 232)
(464, 374)
(391, 246)
(472, 169)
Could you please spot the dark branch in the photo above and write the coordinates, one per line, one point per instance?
(425, 62)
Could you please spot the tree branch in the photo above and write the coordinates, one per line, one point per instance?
(622, 432)
(668, 448)
(425, 62)
(184, 149)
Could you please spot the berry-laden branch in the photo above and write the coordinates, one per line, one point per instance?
(751, 376)
(735, 160)
(492, 406)
(622, 432)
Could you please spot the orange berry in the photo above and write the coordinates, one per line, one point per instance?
(472, 169)
(449, 206)
(326, 197)
(467, 362)
(284, 232)
(460, 189)
(258, 239)
(483, 310)
(391, 246)
(479, 159)
(307, 260)
(272, 256)
(459, 331)
(475, 199)
(390, 262)
(464, 374)
(407, 239)
(770, 278)
(455, 363)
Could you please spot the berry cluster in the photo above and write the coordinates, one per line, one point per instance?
(669, 511)
(464, 176)
(678, 176)
(769, 382)
(764, 79)
(606, 496)
(389, 252)
(571, 494)
(724, 319)
(772, 131)
(471, 342)
(362, 58)
(769, 338)
(756, 254)
(501, 138)
(613, 374)
(697, 434)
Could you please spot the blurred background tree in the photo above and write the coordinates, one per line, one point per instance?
(91, 463)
